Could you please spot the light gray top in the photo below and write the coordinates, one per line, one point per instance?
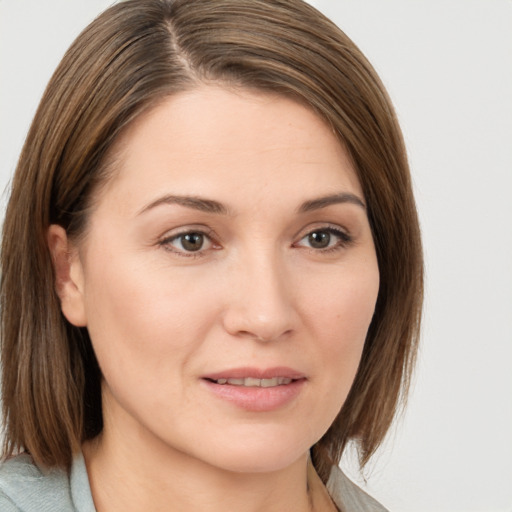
(25, 488)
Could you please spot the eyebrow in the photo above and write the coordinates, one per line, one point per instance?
(325, 201)
(212, 206)
(196, 203)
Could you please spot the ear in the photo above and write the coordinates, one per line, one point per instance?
(69, 276)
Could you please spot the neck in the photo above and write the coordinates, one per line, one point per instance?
(128, 476)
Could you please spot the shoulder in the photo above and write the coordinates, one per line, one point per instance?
(348, 496)
(24, 487)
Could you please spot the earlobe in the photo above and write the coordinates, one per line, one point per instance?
(68, 275)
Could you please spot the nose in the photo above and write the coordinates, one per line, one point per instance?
(260, 304)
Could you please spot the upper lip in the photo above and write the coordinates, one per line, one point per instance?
(256, 373)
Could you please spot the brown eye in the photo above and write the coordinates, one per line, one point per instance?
(325, 239)
(319, 239)
(188, 243)
(192, 241)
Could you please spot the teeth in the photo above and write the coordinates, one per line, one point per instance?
(251, 382)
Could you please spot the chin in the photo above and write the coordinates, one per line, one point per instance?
(267, 456)
(255, 463)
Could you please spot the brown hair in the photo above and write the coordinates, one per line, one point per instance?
(126, 61)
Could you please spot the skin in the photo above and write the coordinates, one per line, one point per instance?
(259, 292)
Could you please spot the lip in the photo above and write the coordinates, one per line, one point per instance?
(256, 399)
(256, 373)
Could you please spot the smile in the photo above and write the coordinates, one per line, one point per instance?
(251, 382)
(256, 389)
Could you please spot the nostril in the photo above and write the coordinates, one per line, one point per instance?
(259, 320)
(263, 337)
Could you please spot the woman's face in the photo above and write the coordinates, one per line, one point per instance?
(227, 279)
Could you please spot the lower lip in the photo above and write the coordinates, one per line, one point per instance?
(257, 399)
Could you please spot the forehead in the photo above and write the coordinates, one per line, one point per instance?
(213, 140)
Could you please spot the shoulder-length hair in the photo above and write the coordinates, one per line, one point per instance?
(125, 62)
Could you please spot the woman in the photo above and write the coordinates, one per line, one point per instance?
(211, 266)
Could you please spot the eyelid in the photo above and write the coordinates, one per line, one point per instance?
(171, 235)
(322, 226)
(344, 236)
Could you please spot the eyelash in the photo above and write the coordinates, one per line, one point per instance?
(166, 243)
(344, 240)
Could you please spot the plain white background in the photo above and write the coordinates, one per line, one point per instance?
(448, 67)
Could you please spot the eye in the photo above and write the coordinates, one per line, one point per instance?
(319, 239)
(188, 243)
(323, 239)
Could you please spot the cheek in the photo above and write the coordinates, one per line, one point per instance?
(339, 312)
(142, 320)
(343, 301)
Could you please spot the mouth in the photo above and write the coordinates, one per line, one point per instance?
(257, 390)
(251, 382)
(256, 377)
